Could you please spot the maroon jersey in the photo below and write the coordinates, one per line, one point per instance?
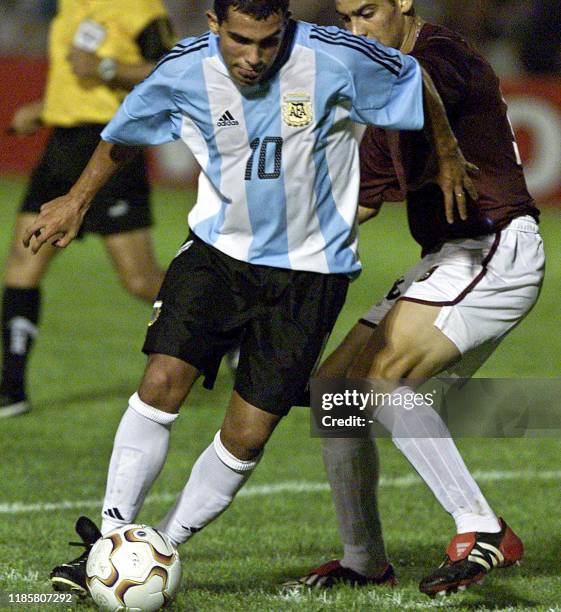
(397, 165)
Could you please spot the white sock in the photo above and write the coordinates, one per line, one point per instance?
(437, 460)
(139, 452)
(215, 479)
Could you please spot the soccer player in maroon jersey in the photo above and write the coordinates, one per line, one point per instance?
(475, 281)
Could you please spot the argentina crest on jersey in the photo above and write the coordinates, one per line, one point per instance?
(297, 109)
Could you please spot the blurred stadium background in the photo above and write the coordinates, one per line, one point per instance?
(87, 362)
(521, 38)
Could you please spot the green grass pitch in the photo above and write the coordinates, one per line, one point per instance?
(87, 362)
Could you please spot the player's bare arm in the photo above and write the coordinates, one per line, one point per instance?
(88, 65)
(59, 221)
(453, 169)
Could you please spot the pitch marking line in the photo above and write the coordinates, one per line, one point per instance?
(273, 489)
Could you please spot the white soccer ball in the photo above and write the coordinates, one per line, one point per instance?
(131, 568)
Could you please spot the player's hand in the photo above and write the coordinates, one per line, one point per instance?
(454, 179)
(27, 119)
(83, 63)
(58, 224)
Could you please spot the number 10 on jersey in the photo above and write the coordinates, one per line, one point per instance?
(268, 152)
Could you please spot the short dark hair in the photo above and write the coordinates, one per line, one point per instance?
(259, 9)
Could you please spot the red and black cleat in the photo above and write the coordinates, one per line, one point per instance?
(470, 557)
(331, 573)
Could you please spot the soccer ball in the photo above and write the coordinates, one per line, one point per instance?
(134, 567)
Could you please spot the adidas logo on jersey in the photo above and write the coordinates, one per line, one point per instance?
(227, 120)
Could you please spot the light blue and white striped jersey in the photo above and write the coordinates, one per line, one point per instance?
(280, 175)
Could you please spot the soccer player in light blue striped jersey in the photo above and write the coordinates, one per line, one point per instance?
(267, 106)
(279, 177)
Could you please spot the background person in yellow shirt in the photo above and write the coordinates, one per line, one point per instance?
(98, 50)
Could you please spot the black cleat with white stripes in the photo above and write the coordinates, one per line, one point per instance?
(470, 557)
(71, 577)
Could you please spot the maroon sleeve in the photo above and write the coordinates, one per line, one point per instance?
(448, 66)
(378, 179)
(477, 114)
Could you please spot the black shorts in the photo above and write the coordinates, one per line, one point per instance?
(281, 319)
(122, 205)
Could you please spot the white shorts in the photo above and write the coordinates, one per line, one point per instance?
(485, 286)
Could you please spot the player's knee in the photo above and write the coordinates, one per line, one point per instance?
(389, 368)
(144, 286)
(388, 365)
(16, 255)
(21, 269)
(15, 265)
(336, 365)
(161, 388)
(245, 443)
(430, 364)
(330, 369)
